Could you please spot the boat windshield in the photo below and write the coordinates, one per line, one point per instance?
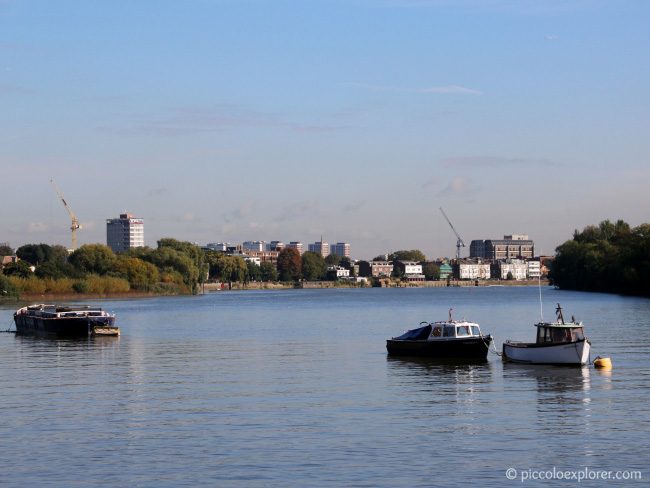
(449, 331)
(462, 330)
(475, 330)
(559, 335)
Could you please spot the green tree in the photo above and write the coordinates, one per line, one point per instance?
(194, 252)
(93, 258)
(314, 266)
(21, 269)
(268, 271)
(6, 250)
(254, 271)
(609, 257)
(169, 260)
(289, 264)
(333, 260)
(430, 270)
(412, 255)
(42, 253)
(140, 274)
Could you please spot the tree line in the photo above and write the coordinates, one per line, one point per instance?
(173, 267)
(608, 257)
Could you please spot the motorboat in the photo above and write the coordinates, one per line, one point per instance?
(559, 342)
(448, 339)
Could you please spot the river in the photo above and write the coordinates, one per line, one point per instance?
(294, 388)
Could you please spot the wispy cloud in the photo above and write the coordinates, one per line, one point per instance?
(441, 90)
(495, 162)
(299, 210)
(37, 227)
(237, 215)
(456, 186)
(192, 120)
(354, 206)
(551, 38)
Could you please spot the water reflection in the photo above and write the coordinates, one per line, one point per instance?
(450, 380)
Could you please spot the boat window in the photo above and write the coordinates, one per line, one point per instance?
(449, 331)
(562, 334)
(543, 334)
(475, 330)
(577, 335)
(462, 330)
(437, 331)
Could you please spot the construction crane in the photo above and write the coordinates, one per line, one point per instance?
(459, 242)
(75, 221)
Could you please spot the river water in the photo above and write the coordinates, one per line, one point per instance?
(294, 388)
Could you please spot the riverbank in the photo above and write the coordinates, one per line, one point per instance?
(224, 287)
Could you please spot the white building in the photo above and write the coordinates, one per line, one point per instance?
(124, 233)
(468, 270)
(341, 272)
(534, 269)
(252, 259)
(340, 249)
(220, 246)
(517, 269)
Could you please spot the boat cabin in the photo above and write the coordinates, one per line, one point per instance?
(449, 330)
(559, 333)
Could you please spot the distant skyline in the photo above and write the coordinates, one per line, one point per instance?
(229, 120)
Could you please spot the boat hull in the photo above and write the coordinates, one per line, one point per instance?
(569, 353)
(62, 327)
(475, 348)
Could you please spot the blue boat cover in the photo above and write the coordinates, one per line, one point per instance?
(420, 334)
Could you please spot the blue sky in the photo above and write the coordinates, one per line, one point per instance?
(357, 120)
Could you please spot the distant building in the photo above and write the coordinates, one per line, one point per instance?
(252, 259)
(446, 271)
(218, 246)
(275, 246)
(253, 246)
(411, 271)
(472, 270)
(340, 249)
(516, 268)
(322, 248)
(297, 245)
(124, 233)
(263, 256)
(338, 272)
(515, 246)
(534, 269)
(375, 268)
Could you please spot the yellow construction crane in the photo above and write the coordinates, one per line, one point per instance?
(75, 221)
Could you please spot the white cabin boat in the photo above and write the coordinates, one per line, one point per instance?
(557, 342)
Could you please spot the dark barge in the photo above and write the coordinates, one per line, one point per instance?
(64, 321)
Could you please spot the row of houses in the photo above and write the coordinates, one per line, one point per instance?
(268, 251)
(467, 269)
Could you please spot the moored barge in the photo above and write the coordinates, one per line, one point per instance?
(64, 321)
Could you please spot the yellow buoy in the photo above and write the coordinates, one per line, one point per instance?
(603, 363)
